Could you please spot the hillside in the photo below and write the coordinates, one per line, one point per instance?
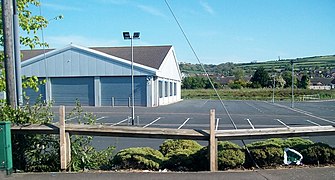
(308, 64)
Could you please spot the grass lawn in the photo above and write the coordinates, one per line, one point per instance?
(255, 94)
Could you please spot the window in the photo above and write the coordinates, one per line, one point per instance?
(175, 89)
(166, 89)
(171, 88)
(160, 89)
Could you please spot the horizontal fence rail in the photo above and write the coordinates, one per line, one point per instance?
(167, 133)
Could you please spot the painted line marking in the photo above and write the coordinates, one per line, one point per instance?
(120, 122)
(152, 122)
(184, 123)
(253, 107)
(306, 113)
(313, 122)
(282, 123)
(217, 124)
(103, 117)
(252, 126)
(70, 119)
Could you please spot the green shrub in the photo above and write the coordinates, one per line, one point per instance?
(170, 147)
(230, 155)
(265, 153)
(179, 154)
(318, 153)
(296, 143)
(201, 160)
(179, 161)
(138, 158)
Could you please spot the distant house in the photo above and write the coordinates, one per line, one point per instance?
(102, 76)
(322, 83)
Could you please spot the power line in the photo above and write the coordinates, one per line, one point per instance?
(209, 79)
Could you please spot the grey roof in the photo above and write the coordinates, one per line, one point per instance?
(151, 56)
(323, 81)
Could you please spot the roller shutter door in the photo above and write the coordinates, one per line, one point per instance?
(65, 91)
(118, 90)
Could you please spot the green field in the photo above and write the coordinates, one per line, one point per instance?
(255, 94)
(308, 63)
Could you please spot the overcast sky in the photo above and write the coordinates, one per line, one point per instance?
(219, 30)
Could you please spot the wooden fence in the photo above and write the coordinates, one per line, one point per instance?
(212, 135)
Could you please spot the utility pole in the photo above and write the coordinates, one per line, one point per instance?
(17, 55)
(7, 15)
(292, 99)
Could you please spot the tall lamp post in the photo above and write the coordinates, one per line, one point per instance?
(292, 100)
(127, 36)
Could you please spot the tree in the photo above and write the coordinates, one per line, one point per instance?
(304, 82)
(287, 76)
(260, 78)
(280, 82)
(238, 74)
(30, 25)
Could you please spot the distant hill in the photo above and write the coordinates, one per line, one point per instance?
(307, 64)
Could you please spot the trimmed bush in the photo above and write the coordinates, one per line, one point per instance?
(318, 153)
(296, 143)
(179, 154)
(138, 158)
(170, 146)
(230, 155)
(265, 153)
(201, 160)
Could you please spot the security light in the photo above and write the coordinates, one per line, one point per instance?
(126, 35)
(136, 35)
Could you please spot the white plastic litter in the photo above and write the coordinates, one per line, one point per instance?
(292, 156)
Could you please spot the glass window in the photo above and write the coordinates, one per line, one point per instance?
(166, 89)
(160, 89)
(171, 88)
(175, 89)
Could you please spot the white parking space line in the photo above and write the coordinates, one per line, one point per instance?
(120, 122)
(217, 124)
(281, 122)
(103, 117)
(253, 106)
(184, 123)
(305, 113)
(152, 122)
(313, 122)
(70, 119)
(252, 126)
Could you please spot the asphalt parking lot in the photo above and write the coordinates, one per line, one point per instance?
(194, 114)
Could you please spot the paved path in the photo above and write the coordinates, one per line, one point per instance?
(323, 173)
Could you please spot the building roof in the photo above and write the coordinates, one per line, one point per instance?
(321, 81)
(151, 56)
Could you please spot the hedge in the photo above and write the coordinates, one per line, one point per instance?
(138, 158)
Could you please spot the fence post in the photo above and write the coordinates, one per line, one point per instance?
(213, 162)
(64, 138)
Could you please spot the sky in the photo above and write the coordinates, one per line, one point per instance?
(220, 31)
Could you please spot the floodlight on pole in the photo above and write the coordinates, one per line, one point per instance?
(292, 98)
(127, 36)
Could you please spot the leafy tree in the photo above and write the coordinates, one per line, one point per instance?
(238, 74)
(303, 82)
(197, 82)
(280, 82)
(287, 76)
(260, 78)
